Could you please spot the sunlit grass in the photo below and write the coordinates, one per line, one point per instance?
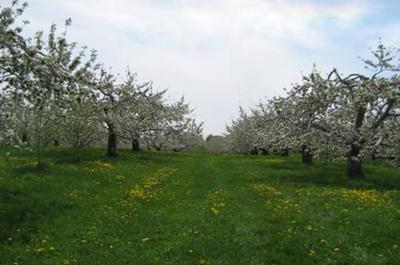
(163, 208)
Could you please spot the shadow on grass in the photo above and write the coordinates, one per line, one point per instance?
(378, 175)
(31, 168)
(21, 210)
(64, 155)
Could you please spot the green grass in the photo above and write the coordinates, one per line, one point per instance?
(167, 208)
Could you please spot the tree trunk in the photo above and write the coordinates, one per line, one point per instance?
(39, 157)
(264, 151)
(285, 152)
(39, 151)
(78, 155)
(354, 163)
(306, 155)
(254, 151)
(56, 142)
(112, 142)
(135, 145)
(24, 137)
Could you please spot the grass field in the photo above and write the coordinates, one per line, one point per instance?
(163, 208)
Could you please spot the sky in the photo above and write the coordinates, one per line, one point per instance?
(222, 54)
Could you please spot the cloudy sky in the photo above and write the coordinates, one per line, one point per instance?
(221, 54)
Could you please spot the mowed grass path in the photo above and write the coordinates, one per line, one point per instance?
(166, 208)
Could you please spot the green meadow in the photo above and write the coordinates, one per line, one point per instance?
(197, 208)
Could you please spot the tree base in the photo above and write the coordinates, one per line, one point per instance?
(307, 158)
(354, 168)
(111, 144)
(135, 146)
(306, 155)
(285, 153)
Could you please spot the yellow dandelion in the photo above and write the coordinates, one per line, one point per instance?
(40, 250)
(214, 210)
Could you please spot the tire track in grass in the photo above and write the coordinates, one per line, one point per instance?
(182, 210)
(225, 222)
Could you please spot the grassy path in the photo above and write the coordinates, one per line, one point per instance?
(158, 208)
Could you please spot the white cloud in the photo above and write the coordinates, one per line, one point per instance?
(190, 23)
(218, 53)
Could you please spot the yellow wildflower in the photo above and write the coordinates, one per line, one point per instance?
(265, 189)
(40, 250)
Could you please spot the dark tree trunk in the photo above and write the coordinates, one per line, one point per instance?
(78, 155)
(306, 155)
(254, 151)
(354, 167)
(56, 142)
(354, 163)
(285, 152)
(112, 142)
(264, 151)
(25, 137)
(39, 151)
(135, 145)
